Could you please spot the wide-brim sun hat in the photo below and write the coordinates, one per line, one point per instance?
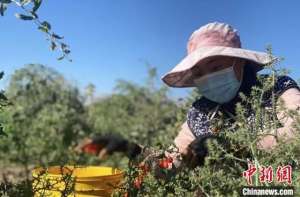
(208, 42)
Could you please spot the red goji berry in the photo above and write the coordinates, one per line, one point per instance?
(138, 182)
(91, 148)
(163, 163)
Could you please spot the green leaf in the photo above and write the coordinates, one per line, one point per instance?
(34, 15)
(37, 4)
(2, 133)
(43, 29)
(63, 46)
(57, 36)
(3, 7)
(53, 46)
(60, 58)
(3, 97)
(46, 25)
(25, 2)
(1, 74)
(5, 1)
(67, 51)
(24, 17)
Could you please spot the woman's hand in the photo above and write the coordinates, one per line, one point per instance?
(198, 150)
(102, 145)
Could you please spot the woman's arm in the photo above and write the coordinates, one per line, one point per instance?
(184, 138)
(291, 101)
(185, 152)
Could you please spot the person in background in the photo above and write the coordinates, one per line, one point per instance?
(220, 69)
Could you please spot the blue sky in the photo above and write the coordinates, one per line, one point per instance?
(113, 39)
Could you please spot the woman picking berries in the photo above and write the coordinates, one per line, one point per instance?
(220, 69)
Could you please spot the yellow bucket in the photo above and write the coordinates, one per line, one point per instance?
(76, 181)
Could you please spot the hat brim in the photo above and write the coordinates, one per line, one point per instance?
(182, 76)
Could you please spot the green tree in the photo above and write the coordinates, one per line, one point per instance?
(45, 119)
(139, 112)
(3, 102)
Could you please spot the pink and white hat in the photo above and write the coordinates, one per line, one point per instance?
(210, 41)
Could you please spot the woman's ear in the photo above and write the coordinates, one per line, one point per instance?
(239, 68)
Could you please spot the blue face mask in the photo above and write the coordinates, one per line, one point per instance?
(220, 86)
